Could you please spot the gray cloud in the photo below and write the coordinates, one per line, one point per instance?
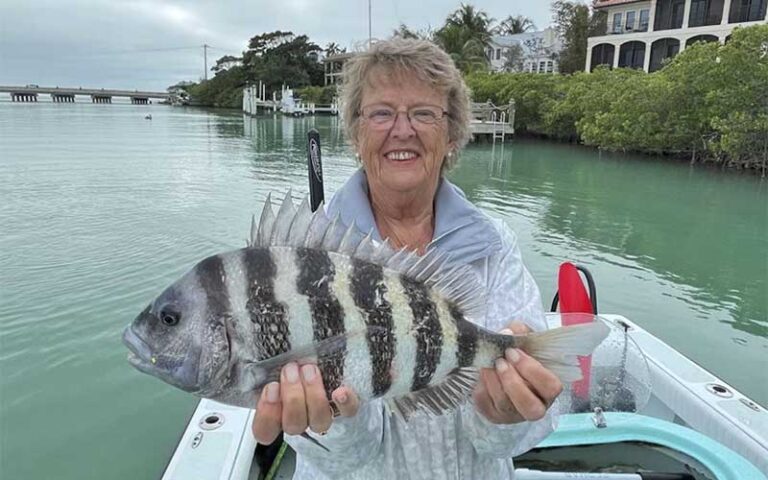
(151, 44)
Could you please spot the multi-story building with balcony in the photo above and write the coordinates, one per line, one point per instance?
(644, 33)
(535, 52)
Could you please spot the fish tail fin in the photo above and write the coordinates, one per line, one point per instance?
(558, 349)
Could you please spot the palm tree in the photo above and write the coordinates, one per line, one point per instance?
(467, 53)
(404, 32)
(465, 36)
(475, 23)
(333, 49)
(514, 24)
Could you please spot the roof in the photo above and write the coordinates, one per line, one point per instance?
(518, 38)
(613, 3)
(548, 37)
(339, 57)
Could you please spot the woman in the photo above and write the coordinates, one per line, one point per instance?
(407, 115)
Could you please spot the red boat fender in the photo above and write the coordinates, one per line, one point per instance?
(574, 299)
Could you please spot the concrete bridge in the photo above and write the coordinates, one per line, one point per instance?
(30, 93)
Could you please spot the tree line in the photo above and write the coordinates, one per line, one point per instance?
(709, 103)
(466, 33)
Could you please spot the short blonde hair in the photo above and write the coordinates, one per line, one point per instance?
(421, 58)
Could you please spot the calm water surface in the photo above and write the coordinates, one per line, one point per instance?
(100, 209)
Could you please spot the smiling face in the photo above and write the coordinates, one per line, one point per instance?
(406, 156)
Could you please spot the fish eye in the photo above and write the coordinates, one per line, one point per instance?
(169, 317)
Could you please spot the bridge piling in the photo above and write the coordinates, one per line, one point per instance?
(23, 97)
(59, 98)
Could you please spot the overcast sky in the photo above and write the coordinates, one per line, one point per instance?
(151, 44)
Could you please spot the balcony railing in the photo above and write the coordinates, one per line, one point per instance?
(621, 29)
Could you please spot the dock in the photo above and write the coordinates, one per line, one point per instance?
(489, 120)
(255, 101)
(495, 123)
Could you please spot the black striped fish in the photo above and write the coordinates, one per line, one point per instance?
(389, 324)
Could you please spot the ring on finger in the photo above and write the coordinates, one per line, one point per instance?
(335, 412)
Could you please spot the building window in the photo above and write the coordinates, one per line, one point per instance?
(669, 14)
(706, 12)
(662, 50)
(701, 38)
(632, 55)
(630, 23)
(617, 23)
(602, 55)
(542, 66)
(550, 66)
(644, 16)
(498, 54)
(747, 11)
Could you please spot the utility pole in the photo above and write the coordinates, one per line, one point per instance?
(205, 59)
(369, 24)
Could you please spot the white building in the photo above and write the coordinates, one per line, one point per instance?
(525, 52)
(644, 33)
(333, 66)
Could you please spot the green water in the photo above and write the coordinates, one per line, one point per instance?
(100, 209)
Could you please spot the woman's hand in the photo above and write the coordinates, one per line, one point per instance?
(518, 389)
(298, 402)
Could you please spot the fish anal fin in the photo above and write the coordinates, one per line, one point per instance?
(439, 398)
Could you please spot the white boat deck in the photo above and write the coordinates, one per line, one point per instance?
(218, 444)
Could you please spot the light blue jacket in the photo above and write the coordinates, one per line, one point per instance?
(463, 444)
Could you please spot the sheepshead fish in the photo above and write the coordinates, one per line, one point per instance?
(389, 324)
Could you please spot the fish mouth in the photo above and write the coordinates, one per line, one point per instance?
(139, 354)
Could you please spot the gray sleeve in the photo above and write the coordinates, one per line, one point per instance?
(513, 295)
(351, 442)
(512, 291)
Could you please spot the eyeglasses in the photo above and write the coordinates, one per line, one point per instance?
(383, 117)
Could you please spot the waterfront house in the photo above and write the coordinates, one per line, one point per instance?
(644, 33)
(332, 65)
(535, 52)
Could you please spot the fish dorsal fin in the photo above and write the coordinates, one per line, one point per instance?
(302, 228)
(316, 228)
(334, 235)
(382, 252)
(263, 231)
(351, 239)
(285, 217)
(460, 284)
(366, 250)
(397, 260)
(437, 399)
(424, 267)
(300, 225)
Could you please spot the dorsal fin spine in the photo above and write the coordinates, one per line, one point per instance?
(301, 227)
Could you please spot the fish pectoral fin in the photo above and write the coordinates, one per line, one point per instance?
(258, 374)
(440, 398)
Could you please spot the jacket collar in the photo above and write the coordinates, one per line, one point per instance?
(460, 227)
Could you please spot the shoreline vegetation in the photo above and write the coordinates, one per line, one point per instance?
(708, 104)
